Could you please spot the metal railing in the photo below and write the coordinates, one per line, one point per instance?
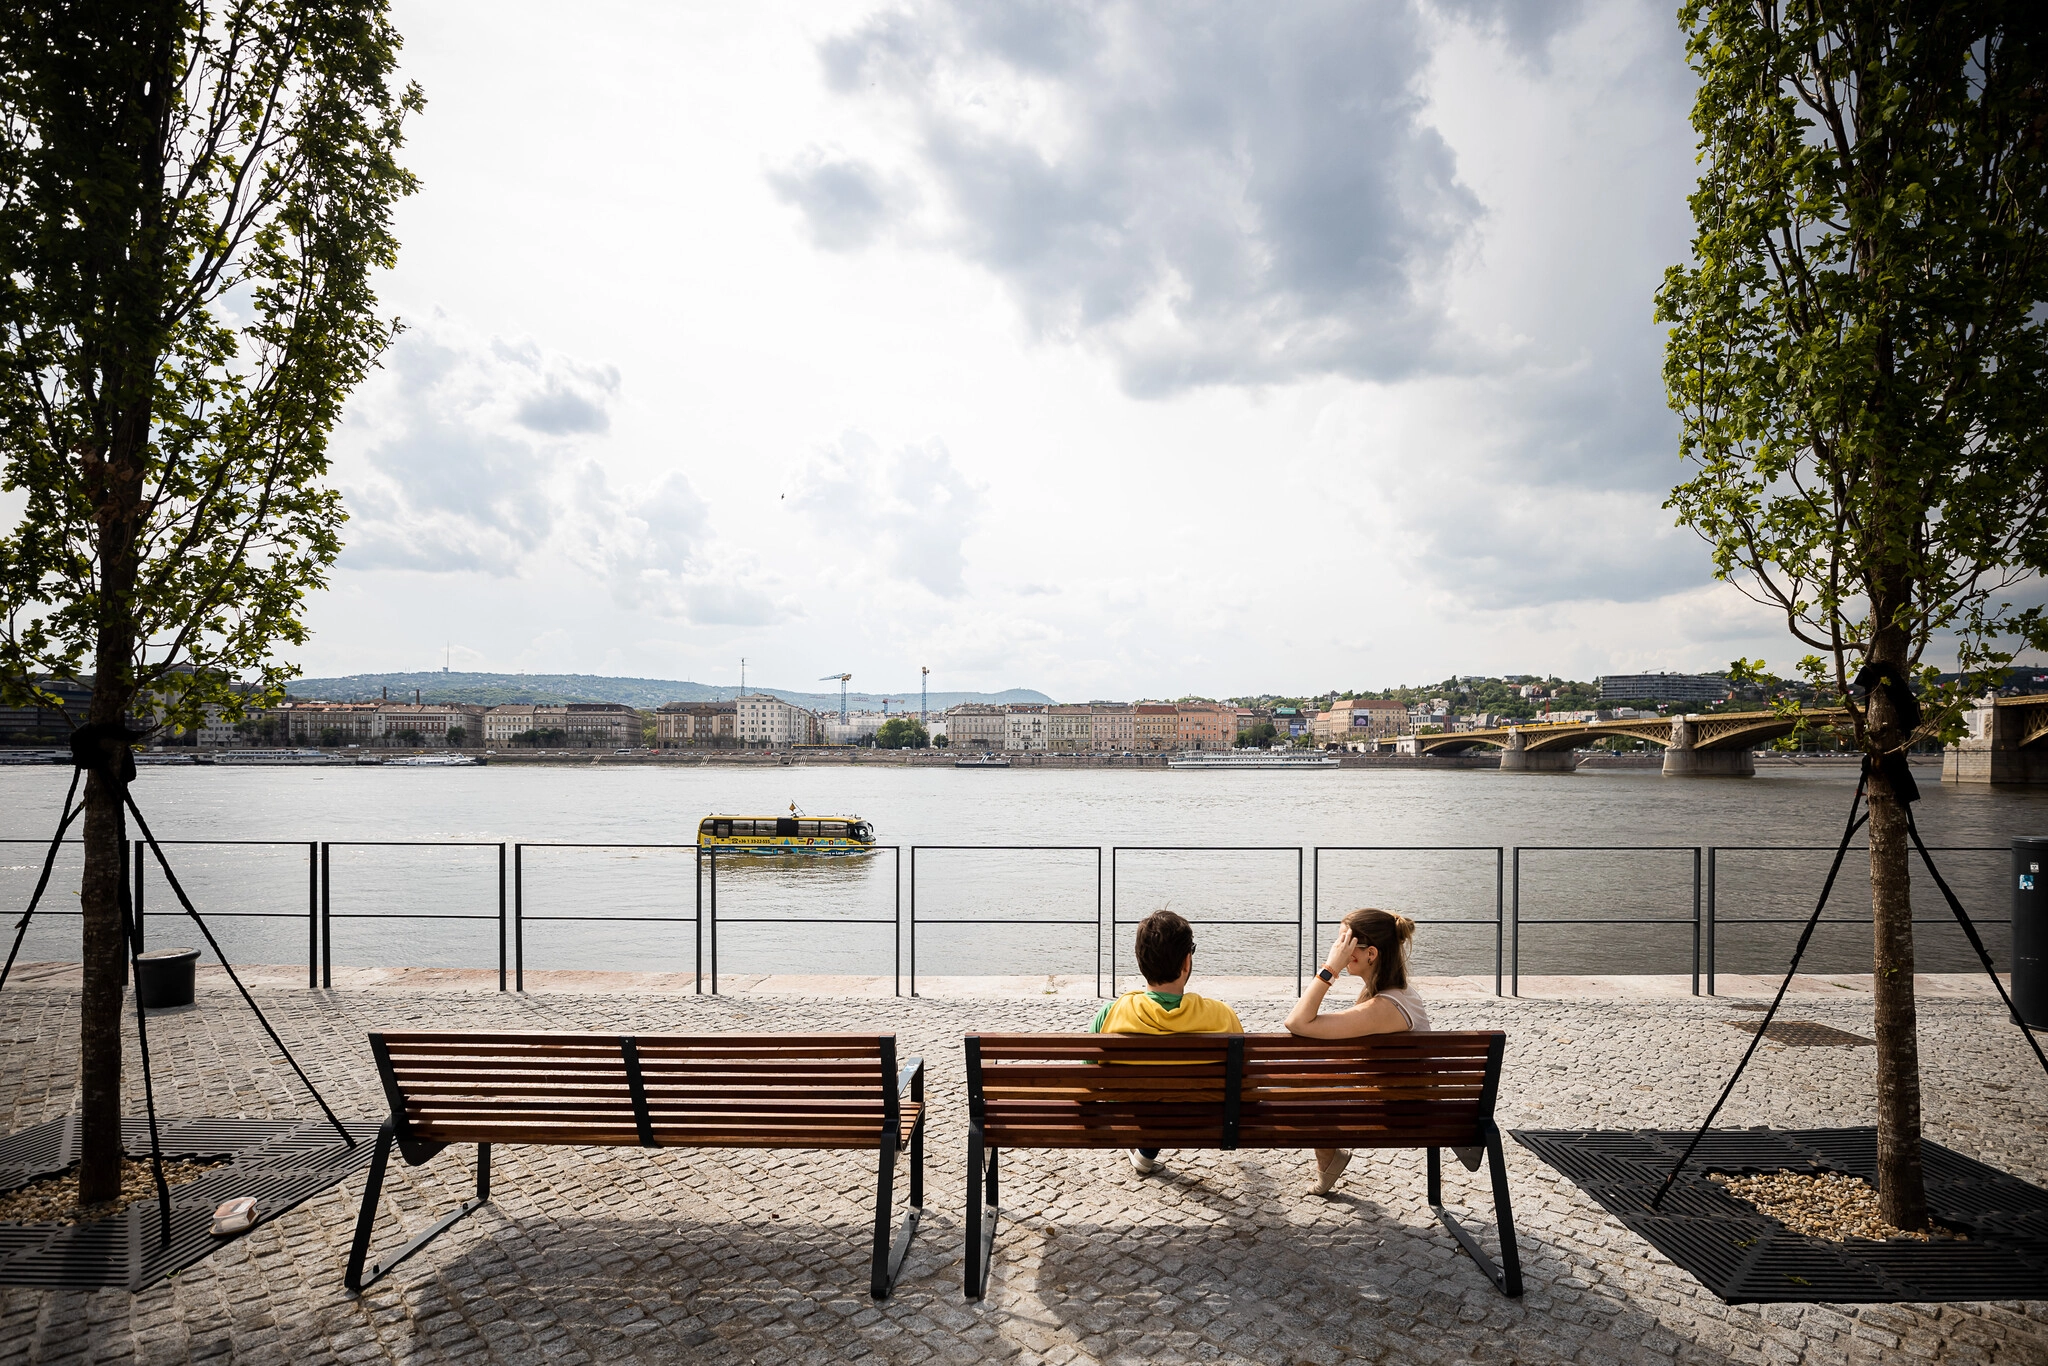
(1121, 849)
(1515, 953)
(1508, 921)
(328, 917)
(710, 860)
(134, 870)
(520, 915)
(915, 921)
(1713, 919)
(1499, 852)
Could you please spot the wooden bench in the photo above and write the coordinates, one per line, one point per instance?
(647, 1091)
(1230, 1091)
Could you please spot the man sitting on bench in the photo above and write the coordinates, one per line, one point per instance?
(1166, 957)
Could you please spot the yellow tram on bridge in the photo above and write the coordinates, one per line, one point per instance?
(795, 833)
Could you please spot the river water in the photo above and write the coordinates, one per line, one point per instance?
(1242, 882)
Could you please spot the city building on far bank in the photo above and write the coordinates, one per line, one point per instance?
(1205, 725)
(1070, 728)
(569, 725)
(1025, 726)
(1115, 727)
(1156, 727)
(977, 725)
(696, 725)
(1663, 688)
(1361, 718)
(764, 719)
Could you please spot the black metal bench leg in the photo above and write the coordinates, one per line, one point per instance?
(1503, 1209)
(886, 1272)
(1508, 1281)
(981, 1213)
(366, 1218)
(356, 1279)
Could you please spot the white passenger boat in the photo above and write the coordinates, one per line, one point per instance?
(983, 761)
(436, 761)
(1254, 758)
(276, 756)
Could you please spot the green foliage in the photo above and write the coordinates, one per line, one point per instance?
(1858, 347)
(1257, 736)
(193, 207)
(901, 732)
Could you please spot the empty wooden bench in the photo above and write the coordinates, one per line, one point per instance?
(647, 1091)
(1229, 1091)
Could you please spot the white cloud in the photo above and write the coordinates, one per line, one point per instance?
(474, 455)
(1213, 194)
(907, 512)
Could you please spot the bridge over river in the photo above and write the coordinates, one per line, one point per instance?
(1720, 744)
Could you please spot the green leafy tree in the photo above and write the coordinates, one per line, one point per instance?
(193, 204)
(458, 736)
(901, 732)
(1857, 353)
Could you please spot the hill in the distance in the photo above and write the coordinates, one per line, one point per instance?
(490, 690)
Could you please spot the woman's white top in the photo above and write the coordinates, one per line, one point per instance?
(1409, 1005)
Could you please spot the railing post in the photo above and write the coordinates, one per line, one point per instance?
(697, 922)
(1696, 920)
(313, 915)
(141, 934)
(1500, 877)
(1711, 861)
(1300, 909)
(1098, 922)
(714, 922)
(1315, 901)
(896, 936)
(519, 917)
(326, 914)
(1112, 921)
(501, 915)
(1515, 933)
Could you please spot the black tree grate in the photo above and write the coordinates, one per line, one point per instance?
(1746, 1257)
(280, 1163)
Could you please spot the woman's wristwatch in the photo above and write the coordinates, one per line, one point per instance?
(1329, 978)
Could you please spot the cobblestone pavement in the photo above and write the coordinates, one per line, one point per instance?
(590, 1255)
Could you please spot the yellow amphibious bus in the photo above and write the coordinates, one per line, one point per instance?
(791, 834)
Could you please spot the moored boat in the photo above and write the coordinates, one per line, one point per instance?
(275, 756)
(1255, 758)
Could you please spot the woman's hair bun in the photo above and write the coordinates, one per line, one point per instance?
(1404, 927)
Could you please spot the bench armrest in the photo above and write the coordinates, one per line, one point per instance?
(911, 1078)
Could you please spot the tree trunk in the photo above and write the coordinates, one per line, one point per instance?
(114, 471)
(1901, 1183)
(106, 971)
(1901, 1187)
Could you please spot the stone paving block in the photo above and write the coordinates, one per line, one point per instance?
(616, 1256)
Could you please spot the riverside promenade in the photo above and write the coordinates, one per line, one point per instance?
(597, 1256)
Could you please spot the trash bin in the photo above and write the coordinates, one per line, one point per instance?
(163, 977)
(2030, 930)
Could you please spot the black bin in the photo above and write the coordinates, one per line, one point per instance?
(2030, 930)
(163, 977)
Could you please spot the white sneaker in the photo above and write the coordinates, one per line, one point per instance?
(1326, 1177)
(1145, 1165)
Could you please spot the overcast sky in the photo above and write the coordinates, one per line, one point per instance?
(1113, 350)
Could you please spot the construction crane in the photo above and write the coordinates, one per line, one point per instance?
(844, 679)
(924, 683)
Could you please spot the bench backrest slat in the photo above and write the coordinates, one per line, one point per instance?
(830, 1090)
(1093, 1090)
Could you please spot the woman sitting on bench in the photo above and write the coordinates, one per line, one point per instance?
(1373, 947)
